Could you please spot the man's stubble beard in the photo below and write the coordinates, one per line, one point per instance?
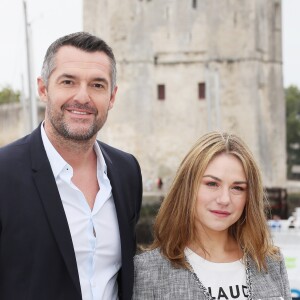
(63, 130)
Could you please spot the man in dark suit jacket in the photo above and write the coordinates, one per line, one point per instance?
(68, 203)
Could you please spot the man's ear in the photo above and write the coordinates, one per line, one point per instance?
(42, 89)
(112, 98)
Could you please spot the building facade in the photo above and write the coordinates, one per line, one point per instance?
(188, 67)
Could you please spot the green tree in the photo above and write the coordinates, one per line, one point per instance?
(8, 95)
(292, 97)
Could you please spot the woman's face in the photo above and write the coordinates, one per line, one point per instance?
(222, 194)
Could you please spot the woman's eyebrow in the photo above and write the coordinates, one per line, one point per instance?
(218, 179)
(213, 177)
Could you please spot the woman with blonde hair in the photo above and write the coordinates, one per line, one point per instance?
(211, 238)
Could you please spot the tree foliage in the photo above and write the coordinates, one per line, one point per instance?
(8, 95)
(292, 97)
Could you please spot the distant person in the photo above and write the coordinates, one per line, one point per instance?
(69, 203)
(292, 224)
(159, 183)
(211, 237)
(275, 223)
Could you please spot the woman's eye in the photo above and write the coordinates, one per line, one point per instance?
(238, 188)
(212, 183)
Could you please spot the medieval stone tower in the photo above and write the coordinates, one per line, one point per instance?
(186, 67)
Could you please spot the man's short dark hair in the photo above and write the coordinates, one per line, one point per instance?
(83, 41)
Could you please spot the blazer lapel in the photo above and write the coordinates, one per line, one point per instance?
(47, 188)
(118, 194)
(114, 178)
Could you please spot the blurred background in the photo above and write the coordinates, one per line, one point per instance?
(184, 68)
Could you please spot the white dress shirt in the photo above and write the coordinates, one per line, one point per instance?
(95, 233)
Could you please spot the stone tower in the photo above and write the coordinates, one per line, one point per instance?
(186, 67)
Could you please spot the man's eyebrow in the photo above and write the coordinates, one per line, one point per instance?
(70, 76)
(65, 75)
(101, 79)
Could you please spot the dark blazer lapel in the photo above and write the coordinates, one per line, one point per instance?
(114, 178)
(113, 172)
(47, 188)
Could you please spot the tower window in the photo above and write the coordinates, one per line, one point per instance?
(201, 90)
(194, 3)
(161, 92)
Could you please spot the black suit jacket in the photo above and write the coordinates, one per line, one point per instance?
(37, 259)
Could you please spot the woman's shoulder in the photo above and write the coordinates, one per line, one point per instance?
(152, 265)
(272, 261)
(150, 257)
(275, 261)
(273, 281)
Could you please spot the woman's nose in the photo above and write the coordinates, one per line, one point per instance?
(224, 196)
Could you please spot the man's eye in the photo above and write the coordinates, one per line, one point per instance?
(98, 85)
(67, 82)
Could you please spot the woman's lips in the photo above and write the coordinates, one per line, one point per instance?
(220, 213)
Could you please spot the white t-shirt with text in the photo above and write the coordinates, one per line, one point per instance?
(222, 280)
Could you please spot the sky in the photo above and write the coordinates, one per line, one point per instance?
(51, 19)
(48, 19)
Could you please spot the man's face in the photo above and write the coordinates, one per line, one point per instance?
(78, 95)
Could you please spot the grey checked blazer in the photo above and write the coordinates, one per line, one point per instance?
(155, 278)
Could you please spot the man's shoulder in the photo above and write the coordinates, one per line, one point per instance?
(13, 147)
(14, 158)
(112, 150)
(22, 142)
(20, 150)
(114, 154)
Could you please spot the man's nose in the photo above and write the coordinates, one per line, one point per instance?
(82, 94)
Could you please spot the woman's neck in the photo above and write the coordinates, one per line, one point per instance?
(220, 247)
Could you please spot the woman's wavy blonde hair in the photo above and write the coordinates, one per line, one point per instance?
(174, 227)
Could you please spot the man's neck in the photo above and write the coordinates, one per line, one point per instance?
(74, 152)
